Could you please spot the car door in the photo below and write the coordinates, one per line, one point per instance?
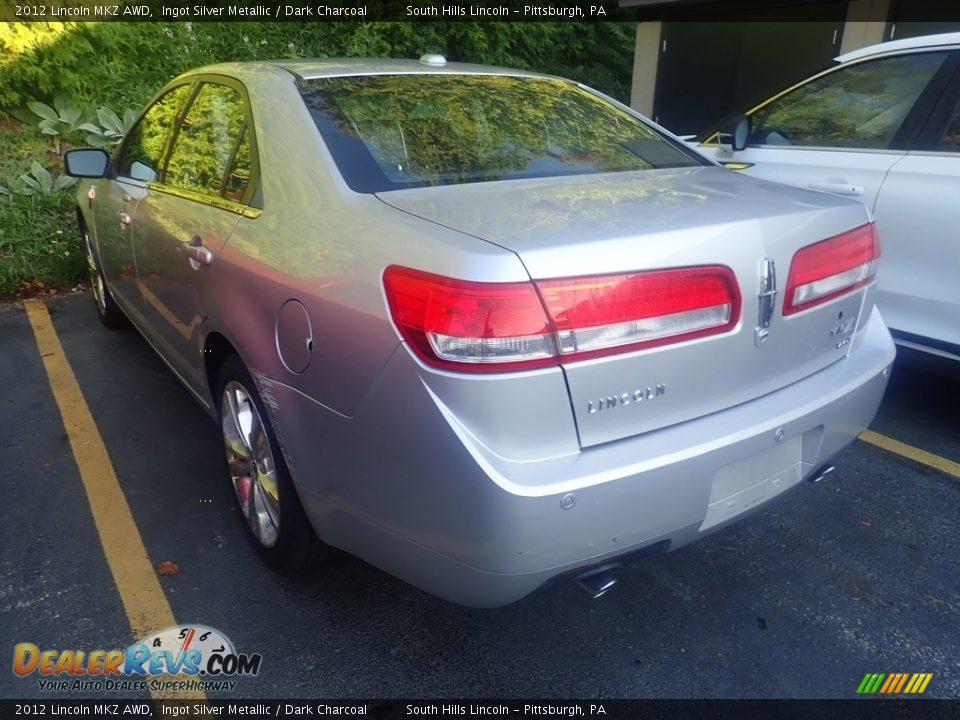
(918, 216)
(843, 130)
(136, 165)
(184, 220)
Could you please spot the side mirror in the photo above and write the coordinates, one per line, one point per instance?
(86, 162)
(734, 137)
(143, 173)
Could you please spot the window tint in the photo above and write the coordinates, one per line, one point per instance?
(394, 131)
(860, 106)
(204, 147)
(146, 142)
(951, 138)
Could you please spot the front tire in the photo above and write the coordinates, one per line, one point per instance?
(108, 311)
(266, 497)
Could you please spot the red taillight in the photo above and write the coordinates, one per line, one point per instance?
(458, 322)
(502, 326)
(598, 315)
(832, 267)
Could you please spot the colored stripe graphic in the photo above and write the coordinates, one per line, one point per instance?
(891, 680)
(870, 683)
(918, 683)
(894, 683)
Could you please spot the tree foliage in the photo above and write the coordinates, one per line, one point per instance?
(122, 64)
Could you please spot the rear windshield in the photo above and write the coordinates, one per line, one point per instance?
(388, 132)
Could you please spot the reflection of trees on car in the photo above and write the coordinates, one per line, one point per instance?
(435, 130)
(205, 144)
(148, 138)
(860, 106)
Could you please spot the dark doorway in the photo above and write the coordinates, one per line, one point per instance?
(922, 17)
(712, 68)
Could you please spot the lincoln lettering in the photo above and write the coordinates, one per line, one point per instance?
(638, 395)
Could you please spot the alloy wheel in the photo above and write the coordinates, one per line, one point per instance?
(252, 466)
(96, 279)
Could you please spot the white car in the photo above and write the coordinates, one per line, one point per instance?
(883, 126)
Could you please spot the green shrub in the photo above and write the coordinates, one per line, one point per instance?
(38, 228)
(87, 60)
(40, 181)
(18, 148)
(38, 241)
(66, 66)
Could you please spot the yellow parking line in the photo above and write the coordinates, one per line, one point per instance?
(143, 599)
(914, 453)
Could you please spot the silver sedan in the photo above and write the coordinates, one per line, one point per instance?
(482, 328)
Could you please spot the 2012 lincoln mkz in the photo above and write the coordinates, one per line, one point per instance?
(482, 328)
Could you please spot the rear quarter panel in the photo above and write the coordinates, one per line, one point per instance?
(325, 246)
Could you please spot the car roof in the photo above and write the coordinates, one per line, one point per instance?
(914, 43)
(311, 69)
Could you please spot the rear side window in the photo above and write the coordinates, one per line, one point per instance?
(860, 106)
(210, 139)
(951, 138)
(396, 131)
(238, 178)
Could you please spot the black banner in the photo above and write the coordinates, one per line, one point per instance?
(313, 10)
(474, 709)
(436, 10)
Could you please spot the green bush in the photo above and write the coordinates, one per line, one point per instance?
(19, 147)
(38, 227)
(38, 241)
(120, 65)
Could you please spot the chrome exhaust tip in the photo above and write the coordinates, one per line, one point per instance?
(597, 585)
(822, 472)
(599, 581)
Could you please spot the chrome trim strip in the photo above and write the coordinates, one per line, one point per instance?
(217, 202)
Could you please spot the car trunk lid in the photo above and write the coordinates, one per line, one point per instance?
(627, 222)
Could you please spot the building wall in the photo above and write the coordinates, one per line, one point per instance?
(645, 56)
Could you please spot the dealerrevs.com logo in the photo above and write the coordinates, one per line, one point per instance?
(184, 657)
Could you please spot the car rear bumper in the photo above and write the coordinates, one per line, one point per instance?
(403, 487)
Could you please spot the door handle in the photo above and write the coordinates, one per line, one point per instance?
(200, 254)
(195, 250)
(838, 188)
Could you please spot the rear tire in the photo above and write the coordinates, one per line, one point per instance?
(275, 520)
(108, 311)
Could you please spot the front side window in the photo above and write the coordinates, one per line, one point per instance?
(390, 132)
(860, 106)
(143, 152)
(208, 140)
